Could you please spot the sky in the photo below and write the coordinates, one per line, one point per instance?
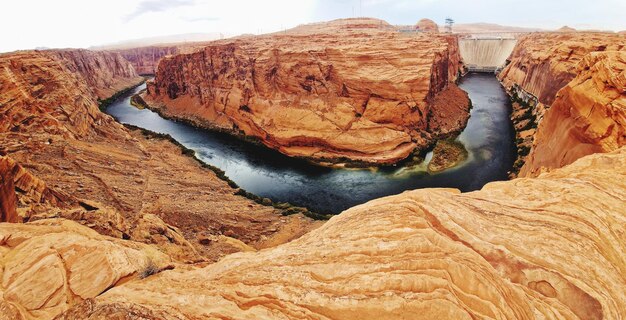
(27, 24)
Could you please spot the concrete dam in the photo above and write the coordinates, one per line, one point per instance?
(485, 54)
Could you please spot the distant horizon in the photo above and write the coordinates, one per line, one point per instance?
(57, 25)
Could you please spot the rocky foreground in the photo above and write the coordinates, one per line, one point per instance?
(353, 90)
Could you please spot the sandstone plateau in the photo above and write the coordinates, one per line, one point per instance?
(346, 91)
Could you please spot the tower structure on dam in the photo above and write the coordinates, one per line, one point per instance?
(486, 54)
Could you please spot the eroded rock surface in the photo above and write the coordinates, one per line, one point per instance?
(49, 265)
(348, 90)
(544, 248)
(541, 65)
(111, 178)
(588, 115)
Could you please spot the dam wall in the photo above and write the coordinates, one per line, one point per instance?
(485, 54)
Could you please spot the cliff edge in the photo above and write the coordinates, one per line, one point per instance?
(350, 90)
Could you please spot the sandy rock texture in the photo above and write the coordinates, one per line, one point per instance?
(541, 65)
(588, 115)
(123, 183)
(49, 265)
(350, 90)
(545, 248)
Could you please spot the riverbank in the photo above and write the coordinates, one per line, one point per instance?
(269, 174)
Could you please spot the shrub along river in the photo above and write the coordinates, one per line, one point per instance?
(488, 139)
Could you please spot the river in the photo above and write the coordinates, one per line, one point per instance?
(488, 139)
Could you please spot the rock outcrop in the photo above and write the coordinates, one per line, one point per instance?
(49, 265)
(346, 91)
(540, 65)
(544, 248)
(588, 115)
(427, 25)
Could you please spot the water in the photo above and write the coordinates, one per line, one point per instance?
(488, 139)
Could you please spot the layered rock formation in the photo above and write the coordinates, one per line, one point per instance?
(350, 90)
(146, 59)
(114, 178)
(540, 65)
(545, 248)
(588, 115)
(49, 265)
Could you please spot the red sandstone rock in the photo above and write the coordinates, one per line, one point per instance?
(145, 59)
(8, 201)
(544, 63)
(348, 89)
(588, 115)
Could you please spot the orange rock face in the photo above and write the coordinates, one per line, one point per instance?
(588, 115)
(36, 86)
(146, 59)
(550, 247)
(50, 123)
(543, 63)
(349, 89)
(8, 200)
(539, 67)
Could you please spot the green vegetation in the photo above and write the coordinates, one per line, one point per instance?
(103, 104)
(447, 154)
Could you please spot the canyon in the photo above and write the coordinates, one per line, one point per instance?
(390, 94)
(102, 220)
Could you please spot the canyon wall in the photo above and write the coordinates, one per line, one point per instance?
(541, 65)
(62, 158)
(544, 248)
(349, 90)
(145, 59)
(587, 116)
(57, 91)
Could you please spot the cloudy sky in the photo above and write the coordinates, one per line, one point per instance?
(27, 24)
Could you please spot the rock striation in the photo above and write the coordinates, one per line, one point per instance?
(146, 59)
(346, 91)
(49, 265)
(588, 115)
(544, 248)
(542, 64)
(115, 178)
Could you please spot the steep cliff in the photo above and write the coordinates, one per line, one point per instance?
(56, 92)
(145, 59)
(540, 65)
(348, 90)
(588, 115)
(544, 248)
(123, 183)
